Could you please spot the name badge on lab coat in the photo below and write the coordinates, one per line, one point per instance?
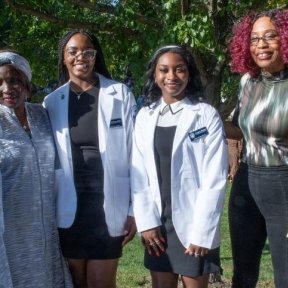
(116, 123)
(196, 134)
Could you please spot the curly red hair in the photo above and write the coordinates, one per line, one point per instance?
(239, 46)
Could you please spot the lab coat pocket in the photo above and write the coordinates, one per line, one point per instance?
(193, 155)
(117, 142)
(189, 180)
(189, 188)
(196, 144)
(122, 197)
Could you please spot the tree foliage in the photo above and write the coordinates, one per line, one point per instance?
(129, 32)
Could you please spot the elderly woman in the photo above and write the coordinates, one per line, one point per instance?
(259, 198)
(29, 245)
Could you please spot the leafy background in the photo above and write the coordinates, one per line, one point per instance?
(129, 31)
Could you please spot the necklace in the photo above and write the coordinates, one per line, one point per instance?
(78, 94)
(24, 122)
(25, 125)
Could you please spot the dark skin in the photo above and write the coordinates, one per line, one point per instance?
(90, 273)
(266, 55)
(171, 75)
(14, 90)
(81, 74)
(232, 132)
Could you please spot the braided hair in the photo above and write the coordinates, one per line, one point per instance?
(99, 66)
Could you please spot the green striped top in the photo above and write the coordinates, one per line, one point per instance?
(263, 119)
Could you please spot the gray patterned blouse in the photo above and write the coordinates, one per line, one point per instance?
(30, 256)
(263, 119)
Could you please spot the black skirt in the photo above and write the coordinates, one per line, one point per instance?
(173, 259)
(88, 237)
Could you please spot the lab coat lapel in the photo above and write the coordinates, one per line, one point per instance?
(151, 125)
(105, 110)
(62, 104)
(63, 101)
(106, 99)
(188, 116)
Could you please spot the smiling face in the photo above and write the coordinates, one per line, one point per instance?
(171, 75)
(266, 52)
(13, 88)
(79, 67)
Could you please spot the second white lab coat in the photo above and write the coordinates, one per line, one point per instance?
(116, 112)
(198, 174)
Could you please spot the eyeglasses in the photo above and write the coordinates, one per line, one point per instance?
(267, 38)
(88, 54)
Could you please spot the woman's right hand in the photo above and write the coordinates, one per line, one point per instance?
(153, 241)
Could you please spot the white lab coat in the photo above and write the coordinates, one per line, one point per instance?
(115, 102)
(198, 174)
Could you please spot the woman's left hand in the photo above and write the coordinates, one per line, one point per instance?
(130, 230)
(153, 241)
(196, 250)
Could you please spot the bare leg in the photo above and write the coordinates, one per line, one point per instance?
(164, 279)
(102, 273)
(195, 282)
(78, 272)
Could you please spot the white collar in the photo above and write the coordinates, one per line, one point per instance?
(173, 107)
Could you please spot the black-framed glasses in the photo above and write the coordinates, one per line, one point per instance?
(88, 54)
(267, 38)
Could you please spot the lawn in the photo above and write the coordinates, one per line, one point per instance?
(132, 274)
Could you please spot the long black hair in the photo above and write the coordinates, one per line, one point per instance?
(99, 67)
(151, 90)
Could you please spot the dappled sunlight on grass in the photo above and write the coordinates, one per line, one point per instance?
(132, 274)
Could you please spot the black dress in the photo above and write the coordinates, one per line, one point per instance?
(88, 237)
(173, 259)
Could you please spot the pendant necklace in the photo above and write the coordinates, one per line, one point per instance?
(24, 122)
(25, 125)
(78, 94)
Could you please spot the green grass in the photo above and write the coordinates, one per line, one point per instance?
(131, 270)
(132, 274)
